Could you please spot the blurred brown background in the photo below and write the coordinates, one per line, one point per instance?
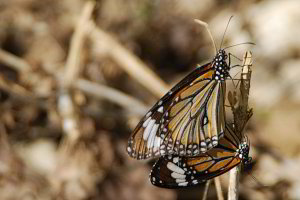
(75, 80)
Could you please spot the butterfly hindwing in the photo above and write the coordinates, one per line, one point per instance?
(174, 171)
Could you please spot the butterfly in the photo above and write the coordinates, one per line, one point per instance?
(174, 171)
(189, 119)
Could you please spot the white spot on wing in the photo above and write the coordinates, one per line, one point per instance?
(183, 184)
(157, 141)
(148, 129)
(205, 120)
(178, 176)
(160, 109)
(151, 138)
(148, 114)
(180, 180)
(175, 159)
(145, 124)
(174, 168)
(209, 145)
(203, 144)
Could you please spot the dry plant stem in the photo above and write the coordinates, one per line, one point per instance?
(18, 64)
(234, 183)
(112, 95)
(66, 106)
(241, 116)
(219, 188)
(73, 60)
(242, 113)
(11, 60)
(202, 23)
(14, 89)
(20, 93)
(207, 184)
(128, 102)
(134, 66)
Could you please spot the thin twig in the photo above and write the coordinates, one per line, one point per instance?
(66, 106)
(100, 91)
(73, 64)
(218, 188)
(21, 94)
(234, 183)
(134, 66)
(241, 115)
(207, 184)
(112, 95)
(12, 60)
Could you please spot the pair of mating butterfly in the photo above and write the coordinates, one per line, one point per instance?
(187, 129)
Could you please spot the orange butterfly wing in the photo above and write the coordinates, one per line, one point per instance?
(176, 171)
(189, 119)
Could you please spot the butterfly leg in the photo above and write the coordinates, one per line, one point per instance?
(237, 65)
(230, 54)
(229, 61)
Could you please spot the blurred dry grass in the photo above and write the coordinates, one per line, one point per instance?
(76, 77)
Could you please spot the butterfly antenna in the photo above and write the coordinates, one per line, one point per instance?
(225, 31)
(202, 23)
(251, 43)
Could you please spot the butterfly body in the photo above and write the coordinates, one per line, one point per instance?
(189, 119)
(174, 171)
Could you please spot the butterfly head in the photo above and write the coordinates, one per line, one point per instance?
(243, 152)
(220, 66)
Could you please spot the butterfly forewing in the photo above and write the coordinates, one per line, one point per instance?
(174, 171)
(149, 134)
(189, 119)
(193, 124)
